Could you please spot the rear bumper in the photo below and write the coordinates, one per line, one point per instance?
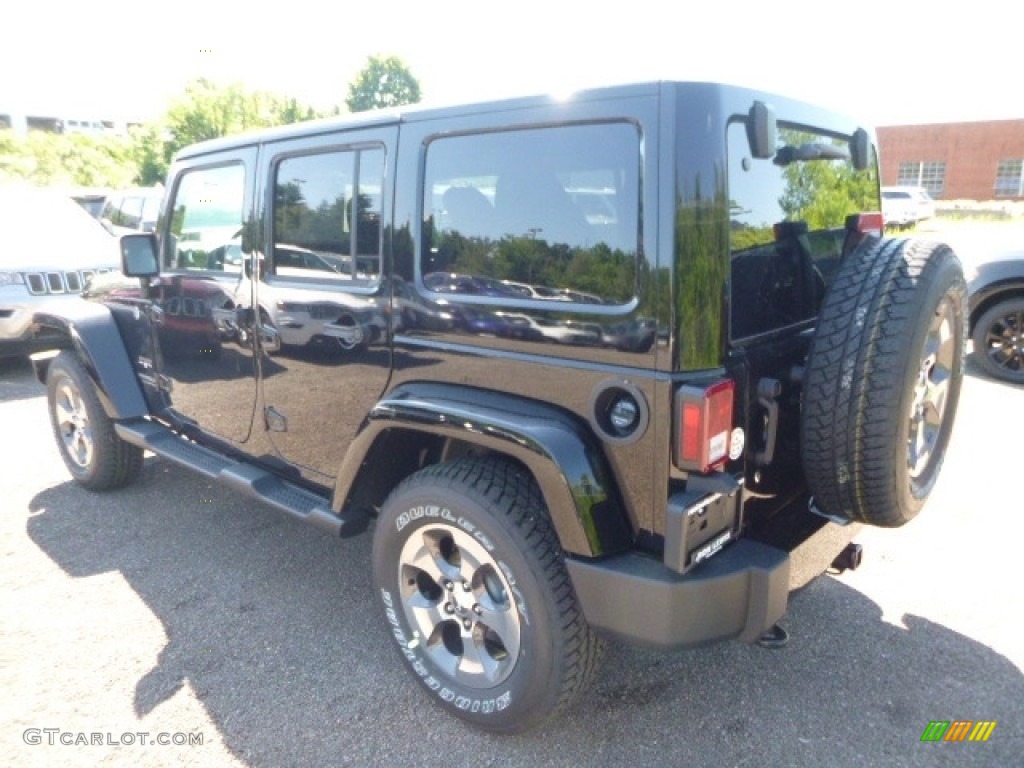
(737, 594)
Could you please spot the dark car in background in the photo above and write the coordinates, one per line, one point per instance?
(92, 199)
(131, 210)
(997, 315)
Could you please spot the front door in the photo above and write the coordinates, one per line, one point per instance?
(207, 363)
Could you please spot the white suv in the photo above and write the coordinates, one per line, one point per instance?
(904, 207)
(49, 248)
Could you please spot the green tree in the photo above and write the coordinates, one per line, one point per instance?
(824, 192)
(150, 154)
(208, 111)
(204, 111)
(51, 159)
(383, 82)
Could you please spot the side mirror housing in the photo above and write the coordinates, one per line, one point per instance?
(860, 149)
(762, 130)
(138, 255)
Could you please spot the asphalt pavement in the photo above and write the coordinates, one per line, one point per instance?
(177, 610)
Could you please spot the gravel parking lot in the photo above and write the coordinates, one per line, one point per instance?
(176, 608)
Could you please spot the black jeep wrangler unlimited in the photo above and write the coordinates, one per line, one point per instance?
(632, 364)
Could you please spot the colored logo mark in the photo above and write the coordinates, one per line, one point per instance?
(958, 730)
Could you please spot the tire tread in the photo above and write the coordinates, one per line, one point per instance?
(117, 463)
(510, 492)
(856, 369)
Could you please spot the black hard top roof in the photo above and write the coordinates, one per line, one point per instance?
(731, 98)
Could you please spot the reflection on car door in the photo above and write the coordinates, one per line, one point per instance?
(322, 291)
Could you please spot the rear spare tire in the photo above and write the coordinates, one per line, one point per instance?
(883, 380)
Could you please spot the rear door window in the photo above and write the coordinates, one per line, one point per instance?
(327, 215)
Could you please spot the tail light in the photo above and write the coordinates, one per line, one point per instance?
(867, 223)
(703, 422)
(860, 224)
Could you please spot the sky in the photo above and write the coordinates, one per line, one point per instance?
(886, 62)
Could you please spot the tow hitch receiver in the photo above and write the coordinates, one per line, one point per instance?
(774, 639)
(849, 559)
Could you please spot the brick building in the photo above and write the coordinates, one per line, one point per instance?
(956, 161)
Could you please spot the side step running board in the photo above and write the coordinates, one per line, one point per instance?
(250, 480)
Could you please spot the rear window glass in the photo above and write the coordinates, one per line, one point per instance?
(787, 224)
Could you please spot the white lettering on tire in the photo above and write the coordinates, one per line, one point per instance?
(466, 703)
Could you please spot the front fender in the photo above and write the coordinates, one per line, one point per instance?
(91, 331)
(564, 459)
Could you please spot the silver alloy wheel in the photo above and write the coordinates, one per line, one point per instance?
(73, 423)
(931, 389)
(459, 605)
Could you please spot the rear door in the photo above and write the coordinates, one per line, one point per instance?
(322, 293)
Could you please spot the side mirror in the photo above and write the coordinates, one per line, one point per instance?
(860, 149)
(138, 256)
(762, 130)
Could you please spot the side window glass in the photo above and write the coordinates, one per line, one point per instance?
(327, 213)
(206, 220)
(541, 214)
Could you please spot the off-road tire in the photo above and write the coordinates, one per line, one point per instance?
(883, 379)
(93, 453)
(464, 543)
(999, 340)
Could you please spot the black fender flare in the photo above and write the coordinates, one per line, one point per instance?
(565, 460)
(92, 333)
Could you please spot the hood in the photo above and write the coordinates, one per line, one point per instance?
(42, 230)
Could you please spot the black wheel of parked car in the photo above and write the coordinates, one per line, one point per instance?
(475, 592)
(93, 453)
(999, 340)
(883, 379)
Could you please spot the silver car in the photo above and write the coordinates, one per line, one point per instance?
(49, 249)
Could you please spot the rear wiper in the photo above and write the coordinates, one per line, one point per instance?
(813, 151)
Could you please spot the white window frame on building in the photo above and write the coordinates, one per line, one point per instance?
(923, 173)
(1010, 178)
